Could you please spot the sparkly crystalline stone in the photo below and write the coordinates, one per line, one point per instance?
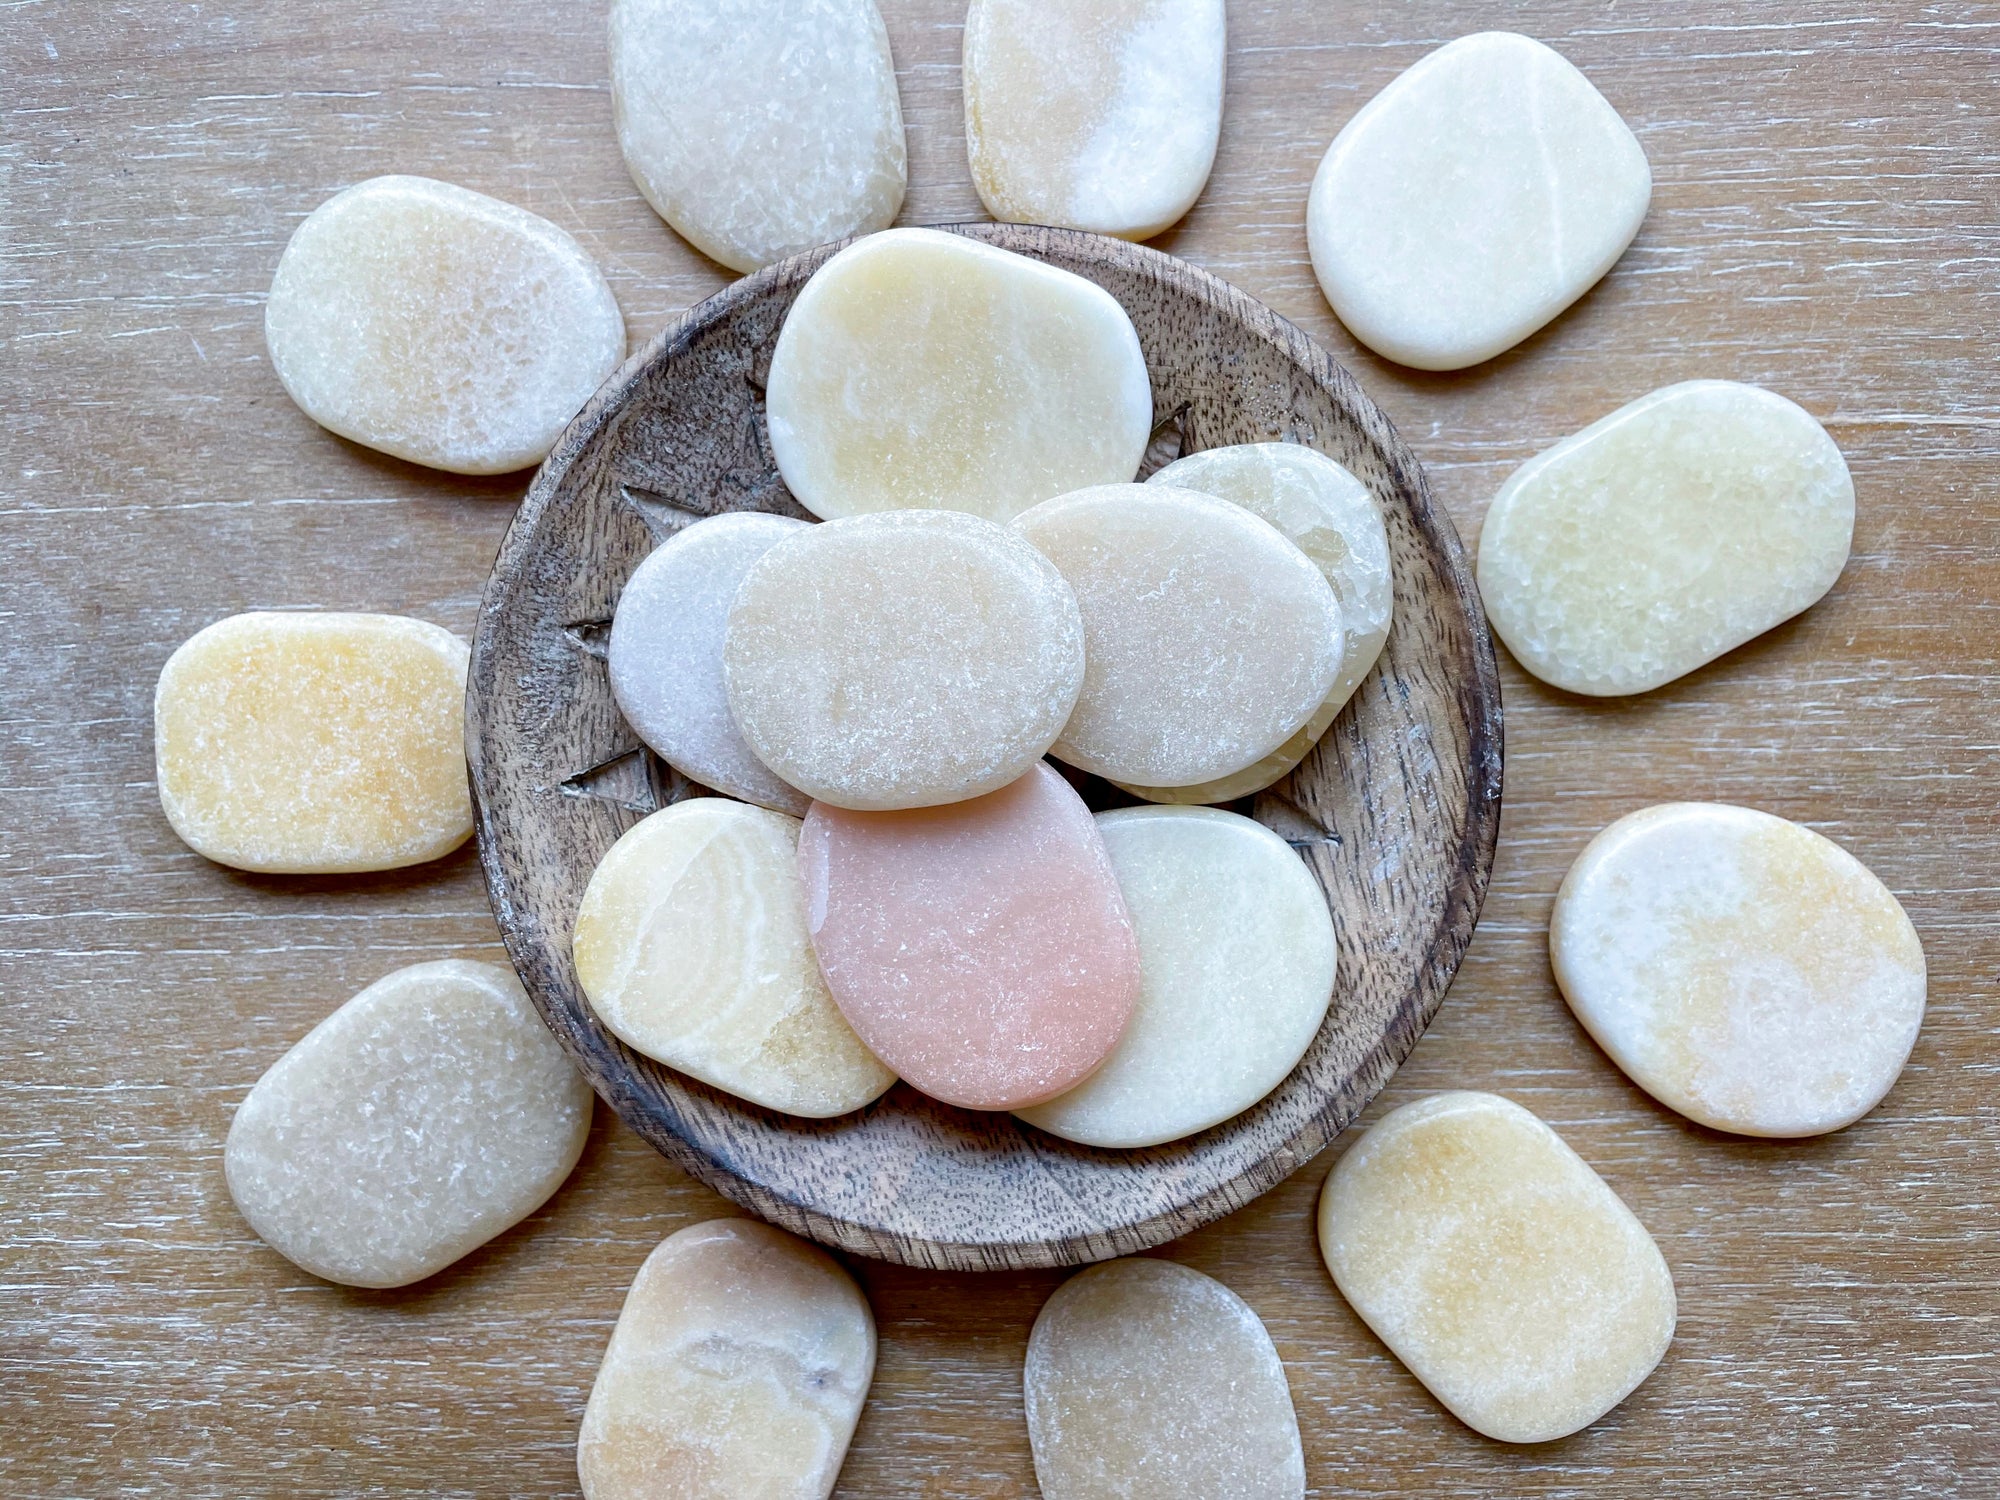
(312, 744)
(902, 660)
(920, 369)
(1742, 969)
(691, 945)
(666, 654)
(440, 325)
(1209, 639)
(1472, 200)
(1497, 1265)
(1664, 535)
(981, 950)
(1147, 1380)
(1237, 955)
(1093, 114)
(738, 1368)
(415, 1123)
(759, 128)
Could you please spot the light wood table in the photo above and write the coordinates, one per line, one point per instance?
(1826, 221)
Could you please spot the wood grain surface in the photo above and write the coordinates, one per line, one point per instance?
(1826, 220)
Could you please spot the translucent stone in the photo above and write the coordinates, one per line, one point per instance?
(1237, 958)
(440, 325)
(1146, 1379)
(920, 369)
(981, 950)
(1209, 639)
(666, 654)
(415, 1123)
(759, 128)
(314, 744)
(691, 945)
(1497, 1265)
(737, 1368)
(1094, 114)
(902, 660)
(1741, 969)
(1663, 535)
(1472, 200)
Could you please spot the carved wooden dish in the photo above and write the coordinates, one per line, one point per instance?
(1396, 811)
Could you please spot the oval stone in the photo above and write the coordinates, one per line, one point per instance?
(1663, 535)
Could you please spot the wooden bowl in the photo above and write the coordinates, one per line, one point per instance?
(1396, 811)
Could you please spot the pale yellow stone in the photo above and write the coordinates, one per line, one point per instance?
(1497, 1265)
(415, 1123)
(301, 744)
(691, 945)
(1146, 1380)
(759, 128)
(1209, 639)
(1093, 114)
(1741, 969)
(736, 1372)
(440, 325)
(924, 370)
(1663, 535)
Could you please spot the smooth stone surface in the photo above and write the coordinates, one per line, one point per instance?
(1740, 969)
(1472, 200)
(440, 325)
(415, 1123)
(315, 744)
(737, 1369)
(902, 660)
(1237, 960)
(1146, 1379)
(1329, 515)
(1209, 639)
(1100, 115)
(1497, 1265)
(1663, 535)
(665, 654)
(982, 950)
(923, 370)
(759, 128)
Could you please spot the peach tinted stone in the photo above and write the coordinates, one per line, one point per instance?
(981, 950)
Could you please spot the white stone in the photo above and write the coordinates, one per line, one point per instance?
(1496, 1265)
(1237, 954)
(440, 325)
(1741, 969)
(415, 1123)
(924, 370)
(1663, 535)
(1472, 200)
(759, 128)
(1100, 115)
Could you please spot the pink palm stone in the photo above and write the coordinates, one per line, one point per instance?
(980, 949)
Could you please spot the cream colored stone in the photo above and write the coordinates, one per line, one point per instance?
(415, 1123)
(691, 945)
(924, 370)
(1497, 1265)
(902, 660)
(737, 1369)
(1147, 1380)
(1209, 639)
(1093, 114)
(1237, 954)
(1472, 200)
(759, 128)
(1663, 535)
(1743, 970)
(440, 325)
(313, 744)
